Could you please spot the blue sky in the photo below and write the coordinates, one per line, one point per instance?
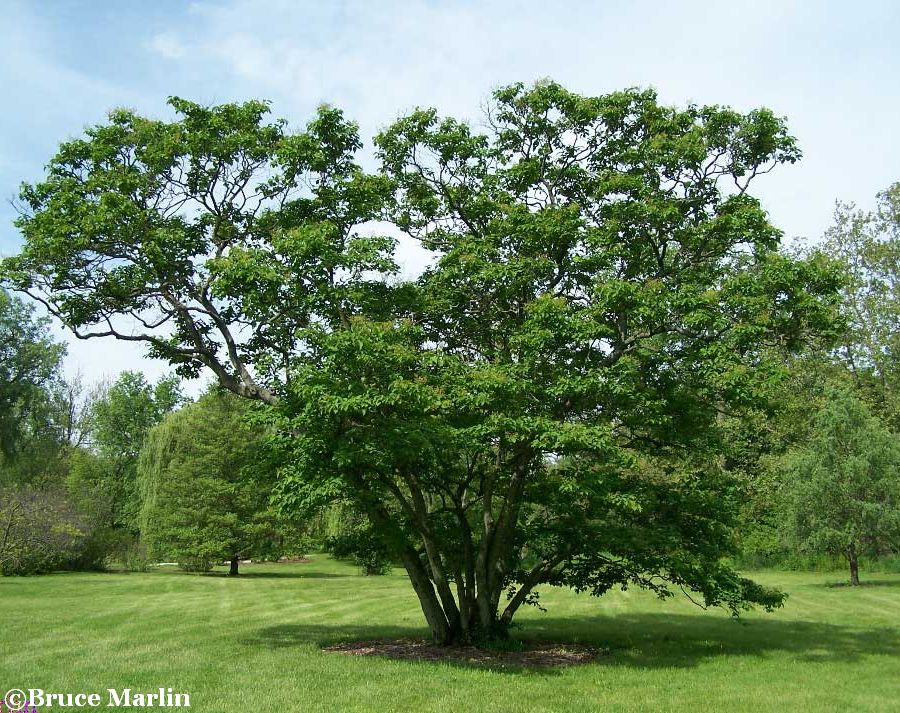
(831, 68)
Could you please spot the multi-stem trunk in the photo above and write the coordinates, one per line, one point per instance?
(478, 571)
(462, 619)
(474, 614)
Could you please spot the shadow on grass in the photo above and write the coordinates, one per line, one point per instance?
(291, 635)
(320, 636)
(862, 585)
(312, 574)
(680, 640)
(640, 640)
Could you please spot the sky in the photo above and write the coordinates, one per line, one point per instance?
(831, 68)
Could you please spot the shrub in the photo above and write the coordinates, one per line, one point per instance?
(40, 531)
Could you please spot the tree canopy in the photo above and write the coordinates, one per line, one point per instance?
(867, 244)
(543, 404)
(186, 235)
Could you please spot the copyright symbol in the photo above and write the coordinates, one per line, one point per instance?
(15, 699)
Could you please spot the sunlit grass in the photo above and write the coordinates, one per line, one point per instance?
(254, 643)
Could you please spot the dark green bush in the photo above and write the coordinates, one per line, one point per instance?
(40, 531)
(351, 537)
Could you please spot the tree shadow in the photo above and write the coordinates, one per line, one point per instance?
(312, 574)
(286, 636)
(638, 640)
(320, 636)
(863, 584)
(683, 640)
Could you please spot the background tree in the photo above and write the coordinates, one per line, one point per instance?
(40, 530)
(123, 415)
(543, 405)
(203, 501)
(350, 535)
(864, 247)
(74, 446)
(842, 487)
(107, 426)
(29, 370)
(867, 244)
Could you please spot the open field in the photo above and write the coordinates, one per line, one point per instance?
(254, 644)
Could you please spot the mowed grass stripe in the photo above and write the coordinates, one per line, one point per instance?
(255, 642)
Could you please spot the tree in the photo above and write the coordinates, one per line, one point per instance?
(867, 244)
(543, 404)
(755, 440)
(29, 368)
(201, 499)
(128, 409)
(74, 406)
(201, 226)
(842, 487)
(121, 417)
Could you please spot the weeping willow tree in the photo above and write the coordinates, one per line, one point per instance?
(204, 495)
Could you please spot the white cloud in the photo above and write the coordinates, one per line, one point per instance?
(167, 46)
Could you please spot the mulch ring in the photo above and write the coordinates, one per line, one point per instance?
(533, 654)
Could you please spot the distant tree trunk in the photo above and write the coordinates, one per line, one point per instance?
(233, 571)
(854, 565)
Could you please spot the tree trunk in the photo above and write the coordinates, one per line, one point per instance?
(233, 571)
(431, 607)
(854, 565)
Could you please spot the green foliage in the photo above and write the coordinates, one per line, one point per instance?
(60, 461)
(40, 531)
(77, 446)
(121, 419)
(193, 224)
(29, 369)
(94, 486)
(754, 442)
(128, 410)
(863, 246)
(842, 487)
(867, 245)
(202, 499)
(350, 535)
(598, 300)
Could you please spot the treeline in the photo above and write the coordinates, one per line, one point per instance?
(822, 465)
(133, 473)
(126, 473)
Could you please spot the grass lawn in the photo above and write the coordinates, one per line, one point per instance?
(253, 644)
